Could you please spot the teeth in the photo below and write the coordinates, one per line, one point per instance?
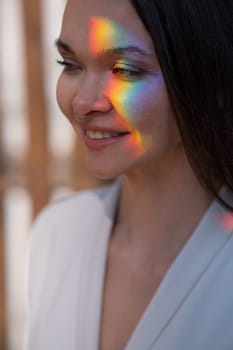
(100, 134)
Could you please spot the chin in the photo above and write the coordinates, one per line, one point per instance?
(103, 173)
(108, 176)
(103, 168)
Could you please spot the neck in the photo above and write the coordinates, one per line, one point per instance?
(159, 212)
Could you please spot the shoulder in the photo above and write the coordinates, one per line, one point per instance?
(75, 202)
(72, 208)
(65, 226)
(68, 219)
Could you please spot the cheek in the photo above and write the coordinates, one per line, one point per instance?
(64, 95)
(141, 101)
(145, 106)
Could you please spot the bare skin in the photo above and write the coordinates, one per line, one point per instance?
(140, 254)
(161, 200)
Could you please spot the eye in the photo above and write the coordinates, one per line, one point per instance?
(127, 72)
(69, 66)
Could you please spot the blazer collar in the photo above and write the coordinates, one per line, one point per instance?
(91, 286)
(79, 288)
(207, 241)
(70, 306)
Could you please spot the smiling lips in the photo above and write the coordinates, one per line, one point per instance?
(97, 134)
(98, 139)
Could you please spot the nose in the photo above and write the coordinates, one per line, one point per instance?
(91, 96)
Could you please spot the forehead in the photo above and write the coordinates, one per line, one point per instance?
(109, 21)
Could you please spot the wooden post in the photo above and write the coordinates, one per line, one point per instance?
(2, 282)
(2, 256)
(37, 157)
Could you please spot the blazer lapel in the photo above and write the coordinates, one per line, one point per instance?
(93, 270)
(70, 305)
(193, 261)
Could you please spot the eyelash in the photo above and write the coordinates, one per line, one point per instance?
(68, 66)
(124, 71)
(127, 72)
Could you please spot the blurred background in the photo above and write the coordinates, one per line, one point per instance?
(40, 157)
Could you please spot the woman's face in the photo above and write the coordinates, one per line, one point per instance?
(112, 89)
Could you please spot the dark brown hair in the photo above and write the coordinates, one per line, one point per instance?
(194, 43)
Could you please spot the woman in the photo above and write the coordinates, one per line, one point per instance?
(145, 263)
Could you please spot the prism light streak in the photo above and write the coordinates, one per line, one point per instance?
(124, 95)
(104, 33)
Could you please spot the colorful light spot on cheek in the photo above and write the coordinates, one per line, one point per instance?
(228, 221)
(125, 97)
(105, 34)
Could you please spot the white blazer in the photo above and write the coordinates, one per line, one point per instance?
(191, 310)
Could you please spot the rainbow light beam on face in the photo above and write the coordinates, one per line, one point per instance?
(124, 95)
(104, 34)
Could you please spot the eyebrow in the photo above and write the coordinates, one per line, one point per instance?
(113, 51)
(62, 46)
